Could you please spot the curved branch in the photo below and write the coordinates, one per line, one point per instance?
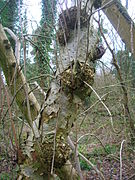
(17, 44)
(15, 78)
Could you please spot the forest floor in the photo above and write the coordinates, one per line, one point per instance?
(8, 165)
(111, 171)
(106, 155)
(109, 166)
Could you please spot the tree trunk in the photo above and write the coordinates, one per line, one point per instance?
(47, 146)
(122, 22)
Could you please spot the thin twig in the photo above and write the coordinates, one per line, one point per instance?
(121, 159)
(39, 88)
(77, 158)
(109, 112)
(89, 134)
(104, 6)
(93, 104)
(72, 146)
(54, 147)
(2, 9)
(131, 177)
(92, 165)
(22, 86)
(33, 43)
(132, 43)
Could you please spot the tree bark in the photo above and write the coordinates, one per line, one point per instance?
(15, 78)
(122, 22)
(48, 149)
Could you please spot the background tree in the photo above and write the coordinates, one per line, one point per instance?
(9, 16)
(43, 42)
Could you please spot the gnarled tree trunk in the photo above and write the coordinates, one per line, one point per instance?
(47, 146)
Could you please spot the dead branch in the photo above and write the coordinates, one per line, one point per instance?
(72, 146)
(17, 44)
(109, 112)
(121, 159)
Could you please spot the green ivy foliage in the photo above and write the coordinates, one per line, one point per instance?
(43, 47)
(9, 16)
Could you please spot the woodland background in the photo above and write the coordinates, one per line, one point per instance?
(104, 131)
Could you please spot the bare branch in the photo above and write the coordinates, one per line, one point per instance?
(84, 158)
(77, 158)
(92, 165)
(17, 44)
(109, 112)
(121, 159)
